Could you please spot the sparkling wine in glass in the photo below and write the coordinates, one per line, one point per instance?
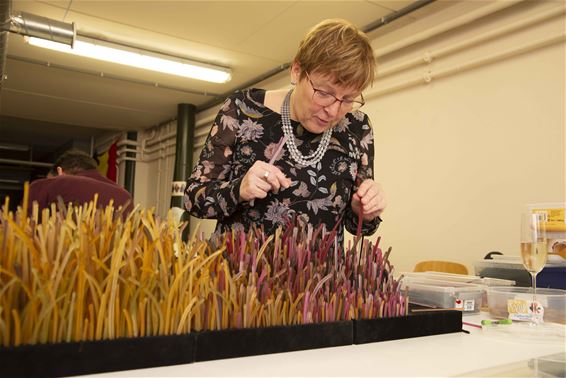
(533, 251)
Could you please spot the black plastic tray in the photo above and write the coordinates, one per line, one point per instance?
(62, 359)
(90, 357)
(403, 327)
(229, 343)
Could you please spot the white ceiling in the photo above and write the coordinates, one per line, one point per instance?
(82, 95)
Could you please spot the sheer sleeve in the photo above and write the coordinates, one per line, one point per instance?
(365, 151)
(211, 192)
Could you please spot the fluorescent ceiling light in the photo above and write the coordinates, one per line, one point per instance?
(135, 58)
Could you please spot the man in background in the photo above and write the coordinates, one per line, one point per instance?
(77, 181)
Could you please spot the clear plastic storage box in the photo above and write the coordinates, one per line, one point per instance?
(443, 294)
(510, 267)
(504, 302)
(482, 282)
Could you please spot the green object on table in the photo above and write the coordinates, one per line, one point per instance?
(487, 322)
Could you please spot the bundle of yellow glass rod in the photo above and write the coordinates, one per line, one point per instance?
(82, 273)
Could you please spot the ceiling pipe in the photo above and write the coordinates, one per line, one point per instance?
(14, 147)
(30, 25)
(395, 15)
(5, 9)
(25, 162)
(366, 29)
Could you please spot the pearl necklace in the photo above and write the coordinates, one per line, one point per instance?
(311, 159)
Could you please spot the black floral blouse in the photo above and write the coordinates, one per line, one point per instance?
(245, 131)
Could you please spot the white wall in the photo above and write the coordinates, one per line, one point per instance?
(460, 156)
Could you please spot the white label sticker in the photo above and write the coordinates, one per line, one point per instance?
(178, 188)
(469, 305)
(522, 309)
(458, 303)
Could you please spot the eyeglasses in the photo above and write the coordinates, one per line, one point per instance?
(325, 99)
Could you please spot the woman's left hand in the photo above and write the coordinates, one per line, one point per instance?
(369, 199)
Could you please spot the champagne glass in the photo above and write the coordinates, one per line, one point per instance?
(533, 250)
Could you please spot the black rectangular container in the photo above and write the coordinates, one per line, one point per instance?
(62, 359)
(413, 325)
(213, 345)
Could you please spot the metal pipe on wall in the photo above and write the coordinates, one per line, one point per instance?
(161, 138)
(464, 19)
(395, 15)
(42, 27)
(158, 201)
(144, 154)
(25, 162)
(5, 10)
(127, 142)
(430, 75)
(130, 170)
(124, 150)
(33, 26)
(163, 145)
(149, 157)
(473, 41)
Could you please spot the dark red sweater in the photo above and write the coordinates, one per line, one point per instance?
(78, 189)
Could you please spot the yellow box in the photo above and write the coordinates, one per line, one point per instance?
(555, 225)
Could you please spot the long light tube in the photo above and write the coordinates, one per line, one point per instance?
(145, 60)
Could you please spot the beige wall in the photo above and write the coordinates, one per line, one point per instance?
(460, 155)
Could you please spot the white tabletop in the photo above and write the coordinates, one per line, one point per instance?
(440, 355)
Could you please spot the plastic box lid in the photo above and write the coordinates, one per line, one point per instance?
(552, 302)
(552, 276)
(515, 262)
(438, 285)
(462, 278)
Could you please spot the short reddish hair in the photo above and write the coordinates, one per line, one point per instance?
(339, 49)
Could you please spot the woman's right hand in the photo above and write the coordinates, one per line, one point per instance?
(260, 179)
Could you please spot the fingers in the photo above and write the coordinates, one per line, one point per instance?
(275, 178)
(263, 185)
(370, 198)
(253, 186)
(283, 180)
(366, 186)
(260, 179)
(356, 201)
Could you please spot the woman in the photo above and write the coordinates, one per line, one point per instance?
(324, 172)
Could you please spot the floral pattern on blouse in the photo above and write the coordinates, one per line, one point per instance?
(245, 131)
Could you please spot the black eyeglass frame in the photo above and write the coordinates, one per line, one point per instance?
(343, 101)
